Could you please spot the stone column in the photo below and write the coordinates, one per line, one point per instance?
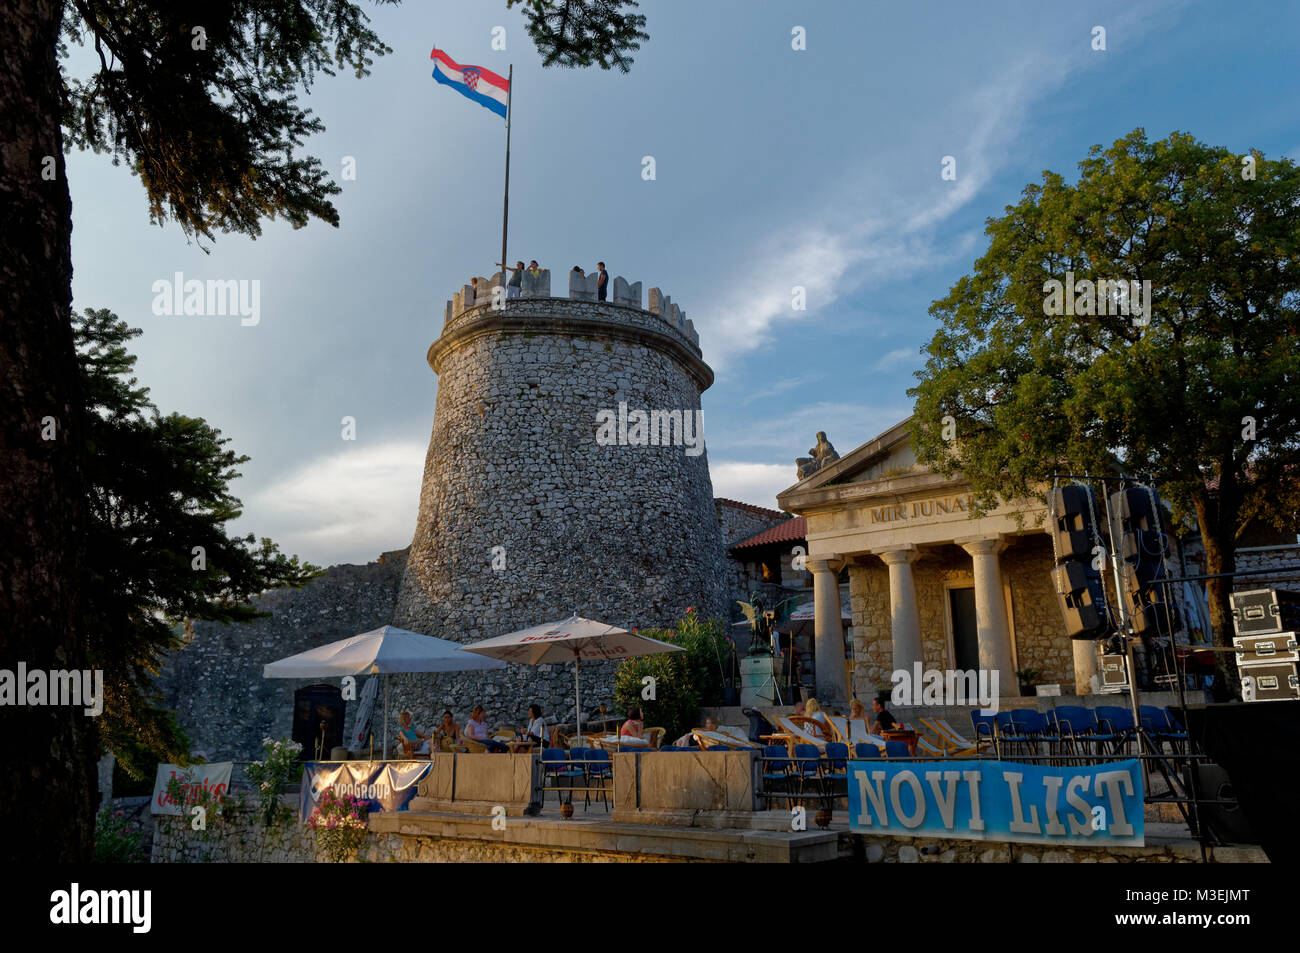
(1085, 665)
(991, 611)
(905, 621)
(828, 646)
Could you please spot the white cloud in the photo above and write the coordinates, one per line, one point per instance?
(346, 507)
(894, 359)
(756, 483)
(901, 234)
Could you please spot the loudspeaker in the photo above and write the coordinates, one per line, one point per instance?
(1224, 821)
(1082, 599)
(1072, 530)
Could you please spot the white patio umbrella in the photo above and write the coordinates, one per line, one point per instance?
(384, 651)
(570, 640)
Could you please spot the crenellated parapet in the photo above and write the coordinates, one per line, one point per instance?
(488, 292)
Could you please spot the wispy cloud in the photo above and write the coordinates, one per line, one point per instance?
(847, 426)
(849, 250)
(896, 359)
(346, 507)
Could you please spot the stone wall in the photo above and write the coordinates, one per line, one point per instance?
(525, 518)
(1038, 634)
(215, 683)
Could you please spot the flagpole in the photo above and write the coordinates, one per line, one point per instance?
(505, 199)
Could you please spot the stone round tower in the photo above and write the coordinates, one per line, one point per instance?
(566, 473)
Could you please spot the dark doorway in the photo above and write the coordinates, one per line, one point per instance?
(965, 630)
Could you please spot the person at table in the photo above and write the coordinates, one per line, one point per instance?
(813, 709)
(884, 720)
(476, 729)
(448, 729)
(536, 730)
(688, 740)
(634, 727)
(408, 736)
(857, 711)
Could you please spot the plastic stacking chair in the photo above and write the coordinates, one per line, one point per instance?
(1117, 722)
(600, 769)
(897, 749)
(1160, 726)
(807, 766)
(985, 728)
(777, 779)
(865, 750)
(835, 774)
(556, 768)
(1079, 731)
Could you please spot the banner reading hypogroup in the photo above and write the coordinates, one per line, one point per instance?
(387, 786)
(999, 801)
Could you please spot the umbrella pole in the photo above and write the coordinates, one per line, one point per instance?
(384, 753)
(577, 694)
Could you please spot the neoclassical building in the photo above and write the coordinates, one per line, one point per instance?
(928, 582)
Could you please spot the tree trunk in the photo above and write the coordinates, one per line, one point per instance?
(47, 774)
(1219, 537)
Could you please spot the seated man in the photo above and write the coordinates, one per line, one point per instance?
(884, 720)
(409, 737)
(447, 731)
(476, 729)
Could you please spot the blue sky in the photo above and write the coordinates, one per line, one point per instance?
(774, 168)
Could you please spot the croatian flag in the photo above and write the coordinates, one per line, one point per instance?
(481, 85)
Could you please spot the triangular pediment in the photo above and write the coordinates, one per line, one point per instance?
(885, 457)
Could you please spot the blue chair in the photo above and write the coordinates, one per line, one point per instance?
(807, 766)
(1118, 722)
(897, 749)
(776, 774)
(865, 750)
(1160, 726)
(835, 774)
(1078, 729)
(600, 768)
(556, 767)
(985, 727)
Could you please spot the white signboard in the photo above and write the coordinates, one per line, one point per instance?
(214, 778)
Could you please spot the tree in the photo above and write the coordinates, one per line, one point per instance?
(1203, 399)
(199, 99)
(159, 555)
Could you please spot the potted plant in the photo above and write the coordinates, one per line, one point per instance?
(1027, 677)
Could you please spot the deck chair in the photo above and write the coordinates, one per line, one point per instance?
(951, 743)
(715, 739)
(925, 746)
(806, 731)
(738, 736)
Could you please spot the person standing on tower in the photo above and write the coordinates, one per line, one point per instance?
(515, 285)
(602, 281)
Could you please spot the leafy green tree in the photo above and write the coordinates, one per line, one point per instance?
(199, 99)
(683, 680)
(1204, 399)
(158, 553)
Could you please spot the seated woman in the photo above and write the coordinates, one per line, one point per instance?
(409, 736)
(857, 711)
(536, 730)
(812, 709)
(447, 729)
(476, 729)
(634, 727)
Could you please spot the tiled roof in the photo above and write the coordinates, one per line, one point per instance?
(750, 507)
(790, 531)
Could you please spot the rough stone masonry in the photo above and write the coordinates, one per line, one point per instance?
(524, 518)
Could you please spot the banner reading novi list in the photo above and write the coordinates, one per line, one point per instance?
(999, 801)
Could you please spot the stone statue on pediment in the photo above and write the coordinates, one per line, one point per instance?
(822, 455)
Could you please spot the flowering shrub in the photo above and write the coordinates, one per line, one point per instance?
(683, 680)
(187, 791)
(272, 775)
(339, 823)
(117, 840)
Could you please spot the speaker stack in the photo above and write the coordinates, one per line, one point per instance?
(1265, 623)
(1079, 589)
